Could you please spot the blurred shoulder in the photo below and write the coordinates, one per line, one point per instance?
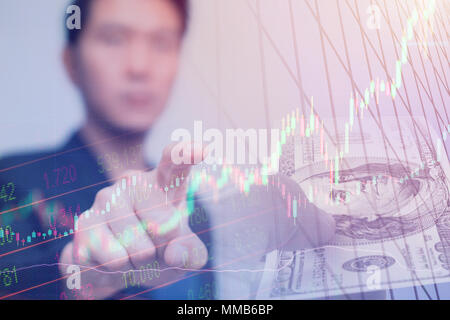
(27, 169)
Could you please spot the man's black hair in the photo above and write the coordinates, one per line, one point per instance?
(85, 6)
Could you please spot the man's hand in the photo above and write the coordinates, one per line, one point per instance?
(138, 223)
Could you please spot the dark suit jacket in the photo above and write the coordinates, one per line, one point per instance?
(60, 184)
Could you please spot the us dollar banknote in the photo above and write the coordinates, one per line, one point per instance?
(390, 203)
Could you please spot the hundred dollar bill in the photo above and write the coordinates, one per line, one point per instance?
(390, 200)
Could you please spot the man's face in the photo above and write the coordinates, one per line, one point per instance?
(126, 61)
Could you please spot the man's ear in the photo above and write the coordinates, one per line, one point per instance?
(70, 64)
